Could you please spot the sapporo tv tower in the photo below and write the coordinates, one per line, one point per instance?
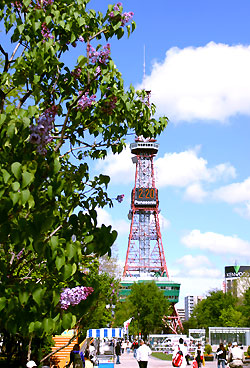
(145, 259)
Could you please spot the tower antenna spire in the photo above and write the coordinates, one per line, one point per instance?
(144, 67)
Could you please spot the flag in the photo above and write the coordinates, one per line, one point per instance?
(127, 323)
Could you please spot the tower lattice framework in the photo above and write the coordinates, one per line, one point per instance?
(145, 254)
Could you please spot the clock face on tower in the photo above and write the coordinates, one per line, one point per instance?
(145, 197)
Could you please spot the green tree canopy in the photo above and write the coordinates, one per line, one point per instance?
(50, 111)
(147, 305)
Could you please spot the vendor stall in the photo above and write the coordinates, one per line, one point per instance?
(104, 343)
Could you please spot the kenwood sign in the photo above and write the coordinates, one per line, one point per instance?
(236, 271)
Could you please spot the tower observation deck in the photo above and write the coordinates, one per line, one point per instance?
(145, 258)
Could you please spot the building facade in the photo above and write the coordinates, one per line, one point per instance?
(190, 303)
(237, 279)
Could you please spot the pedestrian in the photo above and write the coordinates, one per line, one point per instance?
(187, 356)
(118, 352)
(76, 357)
(92, 352)
(236, 356)
(128, 346)
(181, 347)
(135, 346)
(199, 355)
(31, 364)
(88, 363)
(221, 355)
(124, 345)
(142, 354)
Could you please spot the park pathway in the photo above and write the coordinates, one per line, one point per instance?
(128, 361)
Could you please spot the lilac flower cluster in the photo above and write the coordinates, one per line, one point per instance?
(85, 101)
(44, 3)
(125, 17)
(77, 73)
(109, 105)
(98, 56)
(40, 133)
(17, 4)
(120, 197)
(46, 32)
(74, 296)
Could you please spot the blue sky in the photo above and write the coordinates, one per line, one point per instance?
(197, 55)
(198, 69)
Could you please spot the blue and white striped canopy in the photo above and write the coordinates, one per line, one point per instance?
(108, 333)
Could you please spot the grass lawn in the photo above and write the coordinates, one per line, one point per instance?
(162, 356)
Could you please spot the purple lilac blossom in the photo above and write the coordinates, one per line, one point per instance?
(74, 296)
(85, 101)
(40, 133)
(46, 32)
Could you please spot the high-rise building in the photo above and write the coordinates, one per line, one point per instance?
(190, 302)
(237, 279)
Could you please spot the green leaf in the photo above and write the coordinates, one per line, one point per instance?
(6, 176)
(48, 324)
(31, 327)
(14, 197)
(16, 169)
(50, 191)
(2, 302)
(66, 321)
(27, 178)
(25, 195)
(57, 166)
(15, 186)
(71, 250)
(56, 297)
(23, 297)
(59, 262)
(67, 271)
(38, 295)
(2, 118)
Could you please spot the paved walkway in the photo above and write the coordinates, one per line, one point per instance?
(128, 361)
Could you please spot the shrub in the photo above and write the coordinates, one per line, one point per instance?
(208, 349)
(248, 351)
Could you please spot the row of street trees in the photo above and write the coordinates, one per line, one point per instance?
(50, 111)
(221, 310)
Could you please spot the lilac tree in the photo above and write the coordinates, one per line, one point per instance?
(50, 111)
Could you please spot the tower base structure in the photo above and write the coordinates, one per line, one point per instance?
(171, 291)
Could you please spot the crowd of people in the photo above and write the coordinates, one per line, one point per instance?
(232, 357)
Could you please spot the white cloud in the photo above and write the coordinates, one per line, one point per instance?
(210, 82)
(234, 193)
(195, 193)
(189, 261)
(164, 223)
(185, 168)
(119, 167)
(245, 211)
(103, 217)
(217, 243)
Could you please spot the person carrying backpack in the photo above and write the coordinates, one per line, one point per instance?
(76, 357)
(178, 359)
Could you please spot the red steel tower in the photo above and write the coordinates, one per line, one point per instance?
(145, 254)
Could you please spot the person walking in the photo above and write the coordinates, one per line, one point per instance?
(142, 354)
(181, 347)
(118, 352)
(135, 346)
(76, 357)
(221, 355)
(199, 355)
(236, 356)
(88, 363)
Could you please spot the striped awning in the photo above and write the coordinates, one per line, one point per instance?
(108, 333)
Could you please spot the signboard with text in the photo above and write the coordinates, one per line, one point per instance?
(236, 271)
